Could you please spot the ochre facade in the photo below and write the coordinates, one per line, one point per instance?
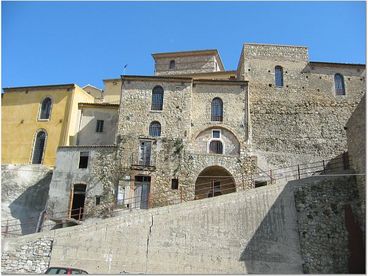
(21, 120)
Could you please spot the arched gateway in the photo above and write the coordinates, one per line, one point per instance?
(214, 181)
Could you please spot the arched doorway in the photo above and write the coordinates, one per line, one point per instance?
(214, 181)
(78, 196)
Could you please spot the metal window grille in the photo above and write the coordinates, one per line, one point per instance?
(99, 125)
(45, 108)
(172, 64)
(157, 98)
(279, 78)
(339, 85)
(155, 129)
(217, 110)
(216, 147)
(39, 148)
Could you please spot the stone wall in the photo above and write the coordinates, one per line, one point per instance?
(303, 120)
(186, 65)
(321, 214)
(293, 228)
(356, 134)
(235, 102)
(186, 115)
(24, 191)
(31, 257)
(100, 178)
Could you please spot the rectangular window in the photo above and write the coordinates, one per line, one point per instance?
(174, 183)
(260, 184)
(99, 125)
(98, 200)
(145, 153)
(83, 159)
(216, 134)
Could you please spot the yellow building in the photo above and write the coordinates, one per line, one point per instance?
(36, 120)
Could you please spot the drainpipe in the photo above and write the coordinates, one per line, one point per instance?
(40, 221)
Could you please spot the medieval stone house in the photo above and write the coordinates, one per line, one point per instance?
(194, 130)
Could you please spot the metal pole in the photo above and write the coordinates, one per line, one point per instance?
(324, 166)
(298, 171)
(271, 176)
(213, 188)
(80, 212)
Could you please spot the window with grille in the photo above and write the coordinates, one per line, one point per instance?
(99, 125)
(216, 147)
(157, 98)
(39, 147)
(45, 109)
(83, 159)
(279, 78)
(339, 85)
(217, 110)
(172, 64)
(155, 129)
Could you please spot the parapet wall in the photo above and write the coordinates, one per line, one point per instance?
(257, 231)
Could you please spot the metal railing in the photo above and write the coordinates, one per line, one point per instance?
(208, 187)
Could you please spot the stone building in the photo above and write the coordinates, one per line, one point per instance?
(194, 130)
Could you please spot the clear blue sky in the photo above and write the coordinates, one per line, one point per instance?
(86, 42)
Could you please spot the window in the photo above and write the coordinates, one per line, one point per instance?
(45, 109)
(172, 64)
(157, 98)
(83, 159)
(339, 85)
(216, 147)
(99, 125)
(216, 110)
(260, 184)
(155, 129)
(144, 153)
(174, 183)
(39, 147)
(216, 133)
(98, 200)
(279, 78)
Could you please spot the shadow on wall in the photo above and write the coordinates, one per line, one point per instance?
(28, 206)
(307, 229)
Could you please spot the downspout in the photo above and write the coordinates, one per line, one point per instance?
(40, 221)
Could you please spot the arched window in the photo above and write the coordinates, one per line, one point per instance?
(339, 85)
(155, 129)
(279, 78)
(172, 64)
(216, 110)
(45, 108)
(39, 147)
(216, 147)
(157, 98)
